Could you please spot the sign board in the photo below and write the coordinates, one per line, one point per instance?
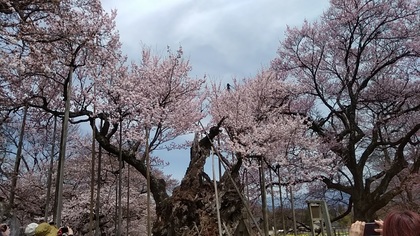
(320, 218)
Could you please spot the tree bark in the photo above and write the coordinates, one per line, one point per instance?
(191, 210)
(17, 162)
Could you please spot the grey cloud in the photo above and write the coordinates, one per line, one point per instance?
(221, 37)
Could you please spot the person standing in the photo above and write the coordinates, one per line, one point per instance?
(65, 231)
(46, 229)
(30, 229)
(4, 230)
(396, 223)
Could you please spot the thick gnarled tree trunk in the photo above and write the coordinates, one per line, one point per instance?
(191, 210)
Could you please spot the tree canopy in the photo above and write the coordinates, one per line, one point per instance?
(359, 62)
(340, 104)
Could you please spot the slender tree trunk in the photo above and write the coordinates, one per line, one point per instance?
(283, 220)
(116, 205)
(263, 197)
(98, 191)
(273, 206)
(92, 184)
(149, 220)
(128, 200)
(17, 162)
(292, 201)
(27, 165)
(119, 193)
(50, 171)
(63, 144)
(219, 223)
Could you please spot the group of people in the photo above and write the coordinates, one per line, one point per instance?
(43, 229)
(396, 223)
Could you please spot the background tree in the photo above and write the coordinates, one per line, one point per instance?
(77, 43)
(32, 189)
(264, 124)
(265, 118)
(360, 63)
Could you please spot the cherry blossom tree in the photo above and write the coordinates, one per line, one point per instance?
(266, 118)
(265, 126)
(360, 64)
(48, 47)
(154, 103)
(27, 7)
(72, 55)
(69, 58)
(36, 153)
(32, 190)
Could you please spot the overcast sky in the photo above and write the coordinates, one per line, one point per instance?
(222, 38)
